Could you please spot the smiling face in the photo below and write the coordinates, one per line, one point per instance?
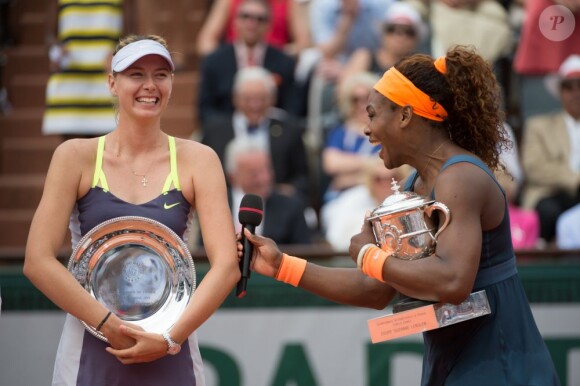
(384, 128)
(143, 89)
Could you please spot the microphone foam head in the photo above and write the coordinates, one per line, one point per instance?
(251, 210)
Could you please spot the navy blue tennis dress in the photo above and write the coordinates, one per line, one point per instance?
(503, 348)
(81, 358)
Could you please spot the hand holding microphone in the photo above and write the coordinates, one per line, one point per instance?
(250, 216)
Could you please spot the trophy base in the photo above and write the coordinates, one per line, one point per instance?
(417, 319)
(406, 303)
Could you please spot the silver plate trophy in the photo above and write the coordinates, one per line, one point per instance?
(137, 268)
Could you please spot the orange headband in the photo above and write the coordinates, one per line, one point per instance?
(396, 87)
(441, 64)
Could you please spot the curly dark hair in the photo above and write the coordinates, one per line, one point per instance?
(470, 93)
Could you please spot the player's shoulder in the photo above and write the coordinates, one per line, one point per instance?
(77, 149)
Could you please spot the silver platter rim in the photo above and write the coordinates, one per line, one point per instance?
(185, 273)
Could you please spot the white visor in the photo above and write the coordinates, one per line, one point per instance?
(132, 52)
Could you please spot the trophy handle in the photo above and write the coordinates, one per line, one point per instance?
(442, 207)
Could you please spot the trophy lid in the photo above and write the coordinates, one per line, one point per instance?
(399, 202)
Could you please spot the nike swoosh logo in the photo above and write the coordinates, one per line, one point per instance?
(165, 206)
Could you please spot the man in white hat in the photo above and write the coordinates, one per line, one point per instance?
(551, 151)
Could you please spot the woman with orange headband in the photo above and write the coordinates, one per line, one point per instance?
(441, 117)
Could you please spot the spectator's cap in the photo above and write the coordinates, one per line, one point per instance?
(132, 52)
(569, 69)
(403, 13)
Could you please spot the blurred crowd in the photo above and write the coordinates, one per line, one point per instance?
(326, 55)
(282, 93)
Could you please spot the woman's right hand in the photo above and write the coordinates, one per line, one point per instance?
(112, 331)
(266, 257)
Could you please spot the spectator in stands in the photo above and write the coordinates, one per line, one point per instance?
(511, 159)
(289, 30)
(249, 170)
(551, 151)
(484, 24)
(481, 23)
(341, 217)
(347, 150)
(82, 38)
(253, 18)
(568, 229)
(341, 27)
(402, 32)
(539, 54)
(338, 29)
(254, 93)
(524, 222)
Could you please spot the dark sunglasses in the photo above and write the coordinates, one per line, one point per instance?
(400, 30)
(570, 84)
(254, 17)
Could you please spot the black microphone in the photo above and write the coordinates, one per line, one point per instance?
(250, 216)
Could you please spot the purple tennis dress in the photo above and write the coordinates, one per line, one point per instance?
(81, 358)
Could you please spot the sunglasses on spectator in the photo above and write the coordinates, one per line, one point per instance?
(400, 30)
(252, 16)
(570, 84)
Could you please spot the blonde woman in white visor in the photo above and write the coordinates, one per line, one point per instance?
(136, 170)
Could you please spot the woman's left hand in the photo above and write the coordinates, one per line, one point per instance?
(149, 347)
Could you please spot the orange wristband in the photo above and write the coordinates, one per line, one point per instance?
(291, 270)
(373, 261)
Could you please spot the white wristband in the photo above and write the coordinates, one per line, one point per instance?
(361, 254)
